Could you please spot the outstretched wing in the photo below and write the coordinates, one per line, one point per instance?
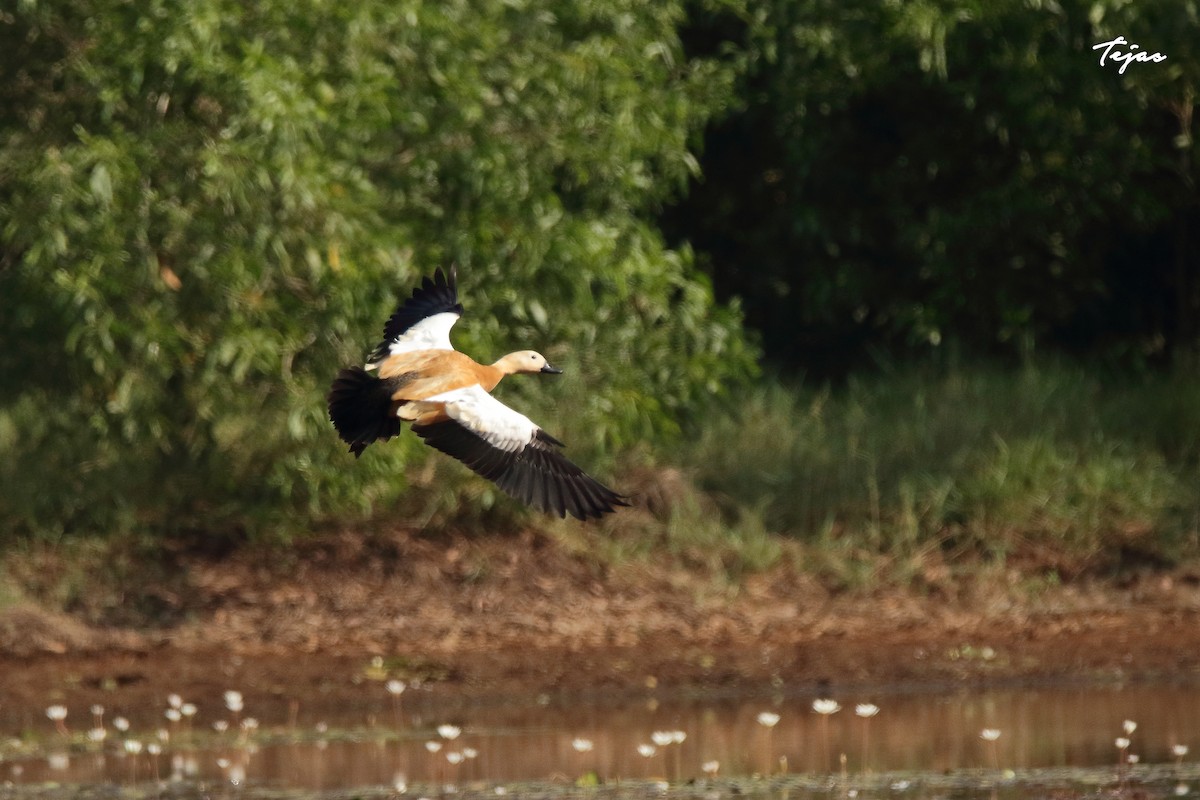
(423, 321)
(506, 447)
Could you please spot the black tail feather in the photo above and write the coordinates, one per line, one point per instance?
(360, 407)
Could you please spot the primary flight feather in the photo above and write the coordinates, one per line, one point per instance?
(415, 375)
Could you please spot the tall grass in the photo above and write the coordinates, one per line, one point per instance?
(1050, 464)
(1054, 469)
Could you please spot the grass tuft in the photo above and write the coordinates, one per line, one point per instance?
(1049, 465)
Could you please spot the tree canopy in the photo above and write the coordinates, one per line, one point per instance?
(907, 176)
(208, 206)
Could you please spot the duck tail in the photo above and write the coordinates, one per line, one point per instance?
(360, 408)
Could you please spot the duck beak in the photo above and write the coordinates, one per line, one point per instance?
(549, 370)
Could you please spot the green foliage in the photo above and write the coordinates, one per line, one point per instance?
(208, 207)
(1049, 464)
(1078, 500)
(907, 175)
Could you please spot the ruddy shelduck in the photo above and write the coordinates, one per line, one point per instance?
(415, 375)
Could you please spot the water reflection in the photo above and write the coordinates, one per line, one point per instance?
(324, 748)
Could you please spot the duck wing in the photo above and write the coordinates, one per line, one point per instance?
(509, 449)
(423, 321)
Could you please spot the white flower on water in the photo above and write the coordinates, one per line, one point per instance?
(866, 709)
(396, 687)
(582, 745)
(133, 746)
(1129, 726)
(57, 713)
(58, 761)
(449, 731)
(767, 719)
(454, 757)
(662, 738)
(433, 745)
(188, 709)
(154, 749)
(97, 735)
(470, 752)
(221, 725)
(233, 701)
(711, 767)
(121, 724)
(174, 700)
(826, 706)
(646, 750)
(173, 714)
(1179, 750)
(1122, 743)
(989, 734)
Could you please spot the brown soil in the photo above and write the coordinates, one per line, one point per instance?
(525, 615)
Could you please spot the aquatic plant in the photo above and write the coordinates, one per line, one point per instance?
(865, 711)
(58, 714)
(826, 707)
(395, 688)
(768, 719)
(991, 736)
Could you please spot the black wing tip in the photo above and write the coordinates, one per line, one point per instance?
(537, 476)
(444, 282)
(603, 501)
(541, 435)
(434, 294)
(445, 277)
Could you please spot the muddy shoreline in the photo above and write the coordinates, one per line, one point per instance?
(515, 617)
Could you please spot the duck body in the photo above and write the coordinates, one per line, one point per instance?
(415, 375)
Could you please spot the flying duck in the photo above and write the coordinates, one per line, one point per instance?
(415, 375)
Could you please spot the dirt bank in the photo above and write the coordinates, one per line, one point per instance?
(527, 615)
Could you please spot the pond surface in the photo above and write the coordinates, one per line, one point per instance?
(385, 741)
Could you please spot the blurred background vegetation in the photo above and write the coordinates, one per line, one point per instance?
(903, 283)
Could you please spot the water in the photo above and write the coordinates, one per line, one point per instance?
(375, 743)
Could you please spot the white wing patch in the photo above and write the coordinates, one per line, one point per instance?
(487, 417)
(431, 333)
